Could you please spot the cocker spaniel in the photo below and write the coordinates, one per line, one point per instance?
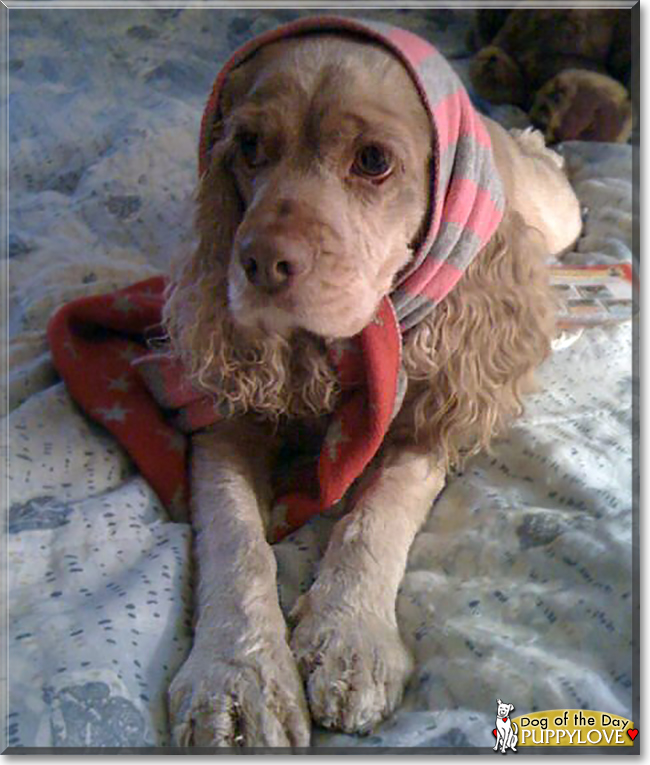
(351, 205)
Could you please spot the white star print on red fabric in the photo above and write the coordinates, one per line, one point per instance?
(124, 304)
(116, 413)
(120, 384)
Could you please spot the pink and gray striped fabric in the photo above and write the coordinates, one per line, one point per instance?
(467, 197)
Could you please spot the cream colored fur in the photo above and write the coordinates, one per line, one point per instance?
(248, 681)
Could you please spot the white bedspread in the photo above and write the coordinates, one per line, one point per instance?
(519, 585)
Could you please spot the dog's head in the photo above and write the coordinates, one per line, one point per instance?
(503, 710)
(317, 197)
(321, 161)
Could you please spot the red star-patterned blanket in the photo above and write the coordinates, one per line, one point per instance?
(99, 346)
(94, 341)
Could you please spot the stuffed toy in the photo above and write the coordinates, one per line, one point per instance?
(570, 69)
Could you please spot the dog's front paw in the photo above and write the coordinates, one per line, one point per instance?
(355, 667)
(250, 698)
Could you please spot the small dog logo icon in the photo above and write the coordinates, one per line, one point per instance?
(506, 731)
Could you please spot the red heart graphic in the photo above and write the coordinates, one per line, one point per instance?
(633, 733)
(494, 732)
(504, 719)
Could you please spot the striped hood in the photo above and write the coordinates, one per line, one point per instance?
(466, 193)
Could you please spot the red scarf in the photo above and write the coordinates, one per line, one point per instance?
(99, 345)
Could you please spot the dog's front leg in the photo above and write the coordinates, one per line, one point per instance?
(240, 685)
(346, 640)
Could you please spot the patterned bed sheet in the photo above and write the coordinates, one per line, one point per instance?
(519, 586)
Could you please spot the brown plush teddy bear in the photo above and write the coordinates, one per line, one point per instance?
(569, 69)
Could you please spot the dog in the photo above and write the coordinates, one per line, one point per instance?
(322, 180)
(506, 730)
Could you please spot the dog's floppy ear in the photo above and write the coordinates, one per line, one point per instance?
(197, 293)
(498, 701)
(512, 707)
(220, 207)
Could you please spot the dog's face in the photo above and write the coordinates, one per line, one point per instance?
(503, 710)
(326, 146)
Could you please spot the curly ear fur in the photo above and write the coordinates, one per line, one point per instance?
(245, 372)
(470, 362)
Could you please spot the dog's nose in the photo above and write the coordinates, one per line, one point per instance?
(272, 264)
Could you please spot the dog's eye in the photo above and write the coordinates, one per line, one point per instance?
(249, 146)
(373, 162)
